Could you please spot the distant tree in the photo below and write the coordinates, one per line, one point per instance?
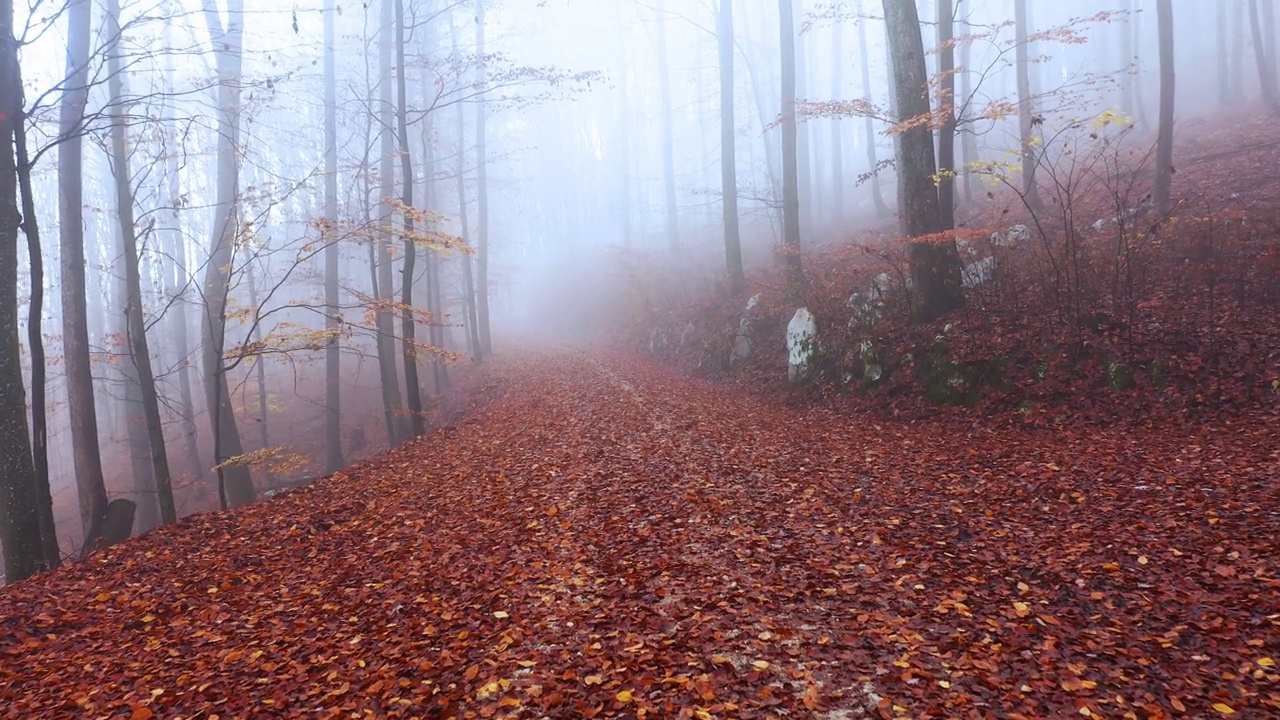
(668, 130)
(947, 108)
(1164, 143)
(728, 150)
(868, 123)
(837, 129)
(790, 186)
(1266, 62)
(482, 190)
(935, 263)
(1026, 107)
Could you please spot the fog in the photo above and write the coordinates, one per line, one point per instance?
(564, 175)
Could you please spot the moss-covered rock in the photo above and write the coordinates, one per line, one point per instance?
(1119, 376)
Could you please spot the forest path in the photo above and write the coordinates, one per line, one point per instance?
(604, 538)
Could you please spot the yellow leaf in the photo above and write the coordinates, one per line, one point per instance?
(102, 597)
(1224, 708)
(1021, 609)
(1266, 662)
(501, 615)
(527, 663)
(944, 684)
(760, 664)
(1142, 560)
(593, 680)
(623, 696)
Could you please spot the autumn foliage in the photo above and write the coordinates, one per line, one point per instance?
(604, 538)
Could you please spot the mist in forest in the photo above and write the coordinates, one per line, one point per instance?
(274, 234)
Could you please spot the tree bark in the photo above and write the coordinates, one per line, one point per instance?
(935, 263)
(235, 483)
(82, 407)
(19, 497)
(837, 127)
(1164, 143)
(728, 151)
(135, 323)
(409, 323)
(790, 169)
(385, 293)
(35, 335)
(334, 460)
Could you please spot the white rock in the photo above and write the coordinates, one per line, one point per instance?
(742, 344)
(979, 273)
(753, 302)
(801, 332)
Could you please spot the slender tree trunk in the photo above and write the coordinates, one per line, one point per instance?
(728, 151)
(624, 145)
(75, 328)
(334, 460)
(869, 125)
(235, 483)
(968, 141)
(1135, 60)
(1237, 50)
(790, 169)
(1266, 68)
(935, 266)
(35, 335)
(482, 194)
(409, 323)
(1222, 53)
(20, 533)
(947, 104)
(1026, 106)
(804, 139)
(177, 281)
(383, 318)
(139, 348)
(760, 91)
(837, 127)
(668, 131)
(1164, 145)
(469, 308)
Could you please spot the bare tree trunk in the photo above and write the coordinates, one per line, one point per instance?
(804, 140)
(837, 126)
(482, 196)
(1237, 50)
(334, 460)
(1266, 66)
(668, 131)
(75, 327)
(1223, 54)
(1026, 107)
(35, 335)
(235, 483)
(176, 284)
(24, 492)
(947, 104)
(469, 308)
(790, 169)
(391, 398)
(935, 266)
(1164, 144)
(728, 151)
(19, 497)
(139, 348)
(869, 125)
(409, 323)
(968, 141)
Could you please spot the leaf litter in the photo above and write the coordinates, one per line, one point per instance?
(600, 537)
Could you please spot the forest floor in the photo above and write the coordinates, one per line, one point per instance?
(601, 537)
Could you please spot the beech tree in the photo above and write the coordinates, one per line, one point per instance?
(728, 150)
(1164, 144)
(790, 169)
(935, 263)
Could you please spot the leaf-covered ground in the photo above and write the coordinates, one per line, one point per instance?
(602, 538)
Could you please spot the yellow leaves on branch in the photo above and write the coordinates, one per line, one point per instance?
(277, 460)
